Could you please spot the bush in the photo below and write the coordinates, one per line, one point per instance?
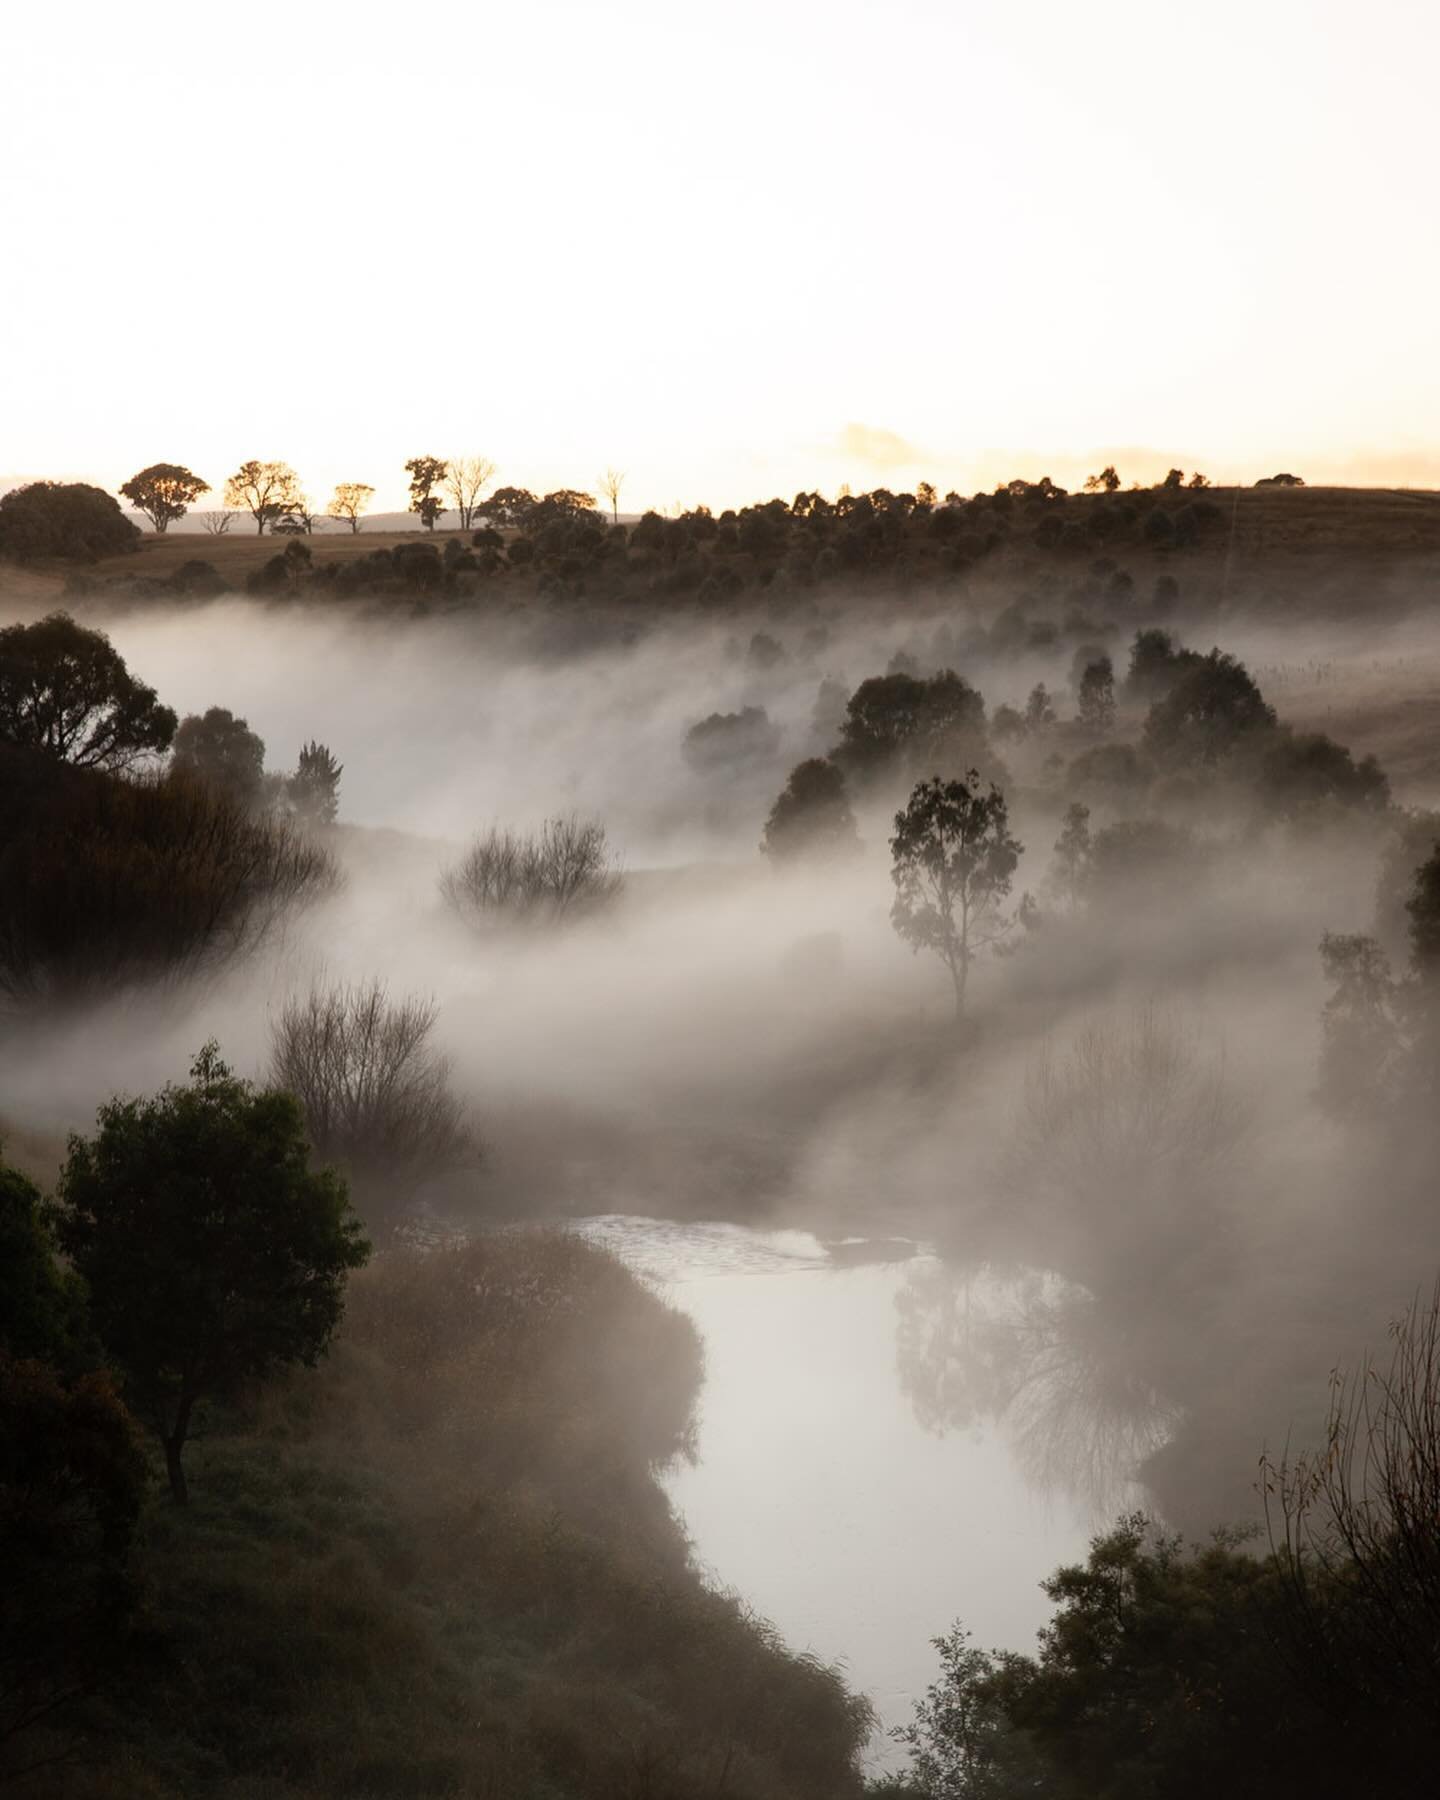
(725, 739)
(812, 816)
(105, 880)
(375, 1092)
(63, 518)
(564, 869)
(217, 747)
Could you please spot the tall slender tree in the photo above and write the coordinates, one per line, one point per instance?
(954, 855)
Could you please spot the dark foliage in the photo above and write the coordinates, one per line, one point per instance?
(218, 748)
(213, 1254)
(106, 880)
(65, 691)
(812, 816)
(63, 519)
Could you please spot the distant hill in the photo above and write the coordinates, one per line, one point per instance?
(1027, 551)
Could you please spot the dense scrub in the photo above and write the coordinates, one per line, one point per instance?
(443, 1566)
(105, 879)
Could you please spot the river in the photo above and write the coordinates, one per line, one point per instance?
(816, 1494)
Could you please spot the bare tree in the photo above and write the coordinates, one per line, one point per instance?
(349, 501)
(610, 484)
(564, 868)
(1354, 1529)
(466, 478)
(375, 1090)
(219, 521)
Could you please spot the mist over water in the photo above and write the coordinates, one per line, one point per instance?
(1131, 1291)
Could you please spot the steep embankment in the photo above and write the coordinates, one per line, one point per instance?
(442, 1566)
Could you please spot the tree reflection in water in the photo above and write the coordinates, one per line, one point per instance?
(1038, 1354)
(1076, 1298)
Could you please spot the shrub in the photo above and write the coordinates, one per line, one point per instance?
(63, 518)
(104, 880)
(725, 739)
(812, 816)
(375, 1092)
(563, 869)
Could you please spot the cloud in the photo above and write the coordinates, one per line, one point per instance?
(878, 448)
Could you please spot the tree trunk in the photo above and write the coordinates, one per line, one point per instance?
(179, 1491)
(260, 524)
(174, 1445)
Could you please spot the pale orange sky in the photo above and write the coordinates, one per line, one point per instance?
(733, 250)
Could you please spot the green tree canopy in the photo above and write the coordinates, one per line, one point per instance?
(213, 1253)
(65, 690)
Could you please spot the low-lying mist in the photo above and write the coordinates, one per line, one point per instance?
(1123, 1136)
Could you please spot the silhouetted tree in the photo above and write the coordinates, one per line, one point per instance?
(42, 1303)
(1356, 1529)
(509, 509)
(65, 519)
(1301, 772)
(349, 501)
(610, 485)
(313, 791)
(812, 816)
(566, 867)
(1039, 708)
(104, 882)
(900, 721)
(426, 474)
(266, 490)
(1107, 481)
(72, 1480)
(464, 479)
(212, 1252)
(375, 1091)
(1072, 852)
(217, 747)
(65, 691)
(1096, 701)
(164, 492)
(725, 740)
(1213, 705)
(1157, 661)
(1361, 1031)
(954, 855)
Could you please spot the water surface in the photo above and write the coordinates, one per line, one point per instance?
(816, 1494)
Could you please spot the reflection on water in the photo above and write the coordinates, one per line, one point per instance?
(818, 1493)
(1042, 1355)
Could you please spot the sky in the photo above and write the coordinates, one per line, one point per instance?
(731, 250)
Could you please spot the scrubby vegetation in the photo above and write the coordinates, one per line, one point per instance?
(438, 1564)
